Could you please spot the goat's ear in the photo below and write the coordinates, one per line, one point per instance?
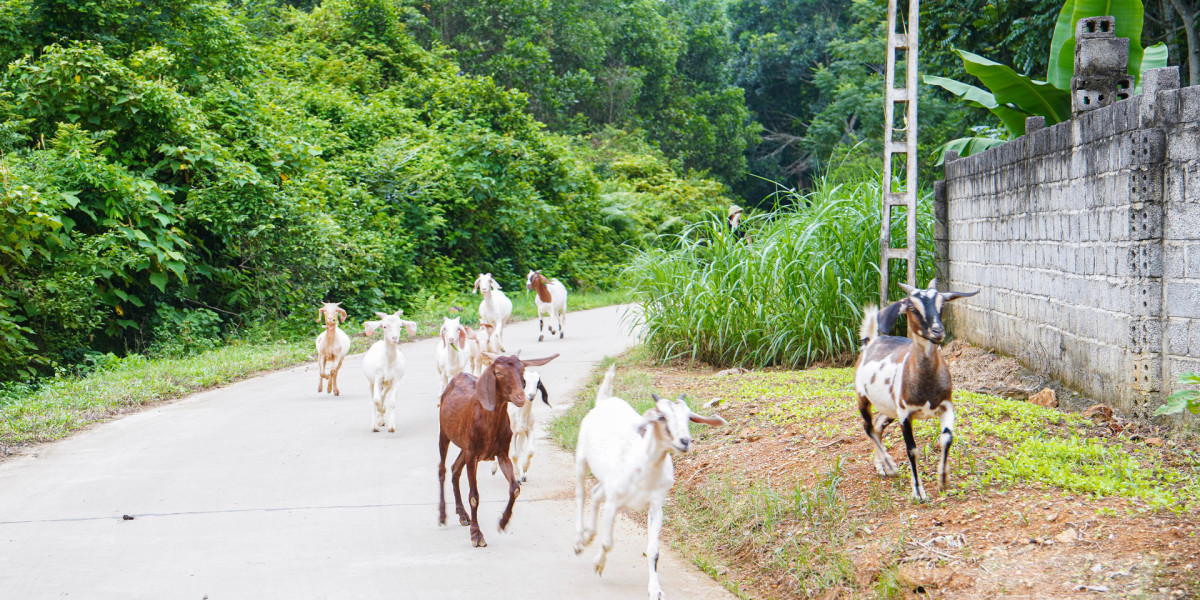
(485, 389)
(887, 317)
(462, 337)
(545, 394)
(369, 327)
(342, 313)
(320, 314)
(713, 421)
(649, 418)
(411, 326)
(950, 296)
(537, 362)
(381, 315)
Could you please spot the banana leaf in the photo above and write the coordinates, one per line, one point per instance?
(1009, 87)
(965, 147)
(1013, 118)
(1064, 31)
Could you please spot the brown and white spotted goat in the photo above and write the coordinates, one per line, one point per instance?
(906, 378)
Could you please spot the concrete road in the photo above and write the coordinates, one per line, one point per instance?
(267, 489)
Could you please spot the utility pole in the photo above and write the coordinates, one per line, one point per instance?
(904, 99)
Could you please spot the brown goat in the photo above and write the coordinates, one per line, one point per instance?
(474, 415)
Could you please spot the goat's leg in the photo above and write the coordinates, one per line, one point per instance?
(376, 421)
(945, 439)
(333, 377)
(514, 489)
(910, 445)
(528, 456)
(654, 520)
(455, 477)
(583, 536)
(881, 424)
(443, 446)
(390, 407)
(562, 322)
(541, 325)
(320, 372)
(883, 462)
(607, 519)
(476, 535)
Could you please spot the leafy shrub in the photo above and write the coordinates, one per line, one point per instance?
(790, 294)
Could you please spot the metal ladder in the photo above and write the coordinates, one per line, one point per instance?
(900, 41)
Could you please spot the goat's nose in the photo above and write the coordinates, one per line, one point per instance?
(685, 443)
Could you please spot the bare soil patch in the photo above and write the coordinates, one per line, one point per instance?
(785, 502)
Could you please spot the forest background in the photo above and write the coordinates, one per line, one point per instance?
(178, 173)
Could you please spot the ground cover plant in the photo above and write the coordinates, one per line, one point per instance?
(790, 293)
(784, 501)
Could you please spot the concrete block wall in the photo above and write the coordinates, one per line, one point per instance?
(1084, 239)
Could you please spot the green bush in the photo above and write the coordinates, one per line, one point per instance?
(789, 294)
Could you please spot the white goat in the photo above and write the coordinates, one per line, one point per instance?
(630, 455)
(521, 420)
(479, 342)
(550, 299)
(452, 353)
(384, 365)
(495, 308)
(332, 346)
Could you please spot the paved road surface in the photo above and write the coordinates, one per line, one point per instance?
(266, 489)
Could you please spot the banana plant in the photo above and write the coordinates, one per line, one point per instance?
(1014, 96)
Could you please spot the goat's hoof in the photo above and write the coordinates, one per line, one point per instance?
(375, 430)
(578, 548)
(337, 393)
(541, 337)
(600, 566)
(464, 521)
(560, 335)
(478, 541)
(523, 479)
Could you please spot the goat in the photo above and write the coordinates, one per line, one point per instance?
(474, 417)
(479, 341)
(551, 300)
(453, 356)
(383, 364)
(521, 420)
(630, 455)
(332, 347)
(495, 308)
(906, 378)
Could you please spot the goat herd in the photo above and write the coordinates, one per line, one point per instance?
(487, 399)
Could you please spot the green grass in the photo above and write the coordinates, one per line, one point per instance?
(997, 440)
(67, 404)
(798, 530)
(61, 405)
(792, 295)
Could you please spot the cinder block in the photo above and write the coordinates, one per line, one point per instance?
(1182, 221)
(1184, 144)
(1146, 146)
(1145, 184)
(1183, 299)
(1188, 255)
(1189, 104)
(1163, 78)
(1177, 337)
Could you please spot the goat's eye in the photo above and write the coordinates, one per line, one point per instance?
(662, 418)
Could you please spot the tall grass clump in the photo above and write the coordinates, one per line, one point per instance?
(790, 294)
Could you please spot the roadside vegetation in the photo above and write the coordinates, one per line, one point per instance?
(785, 501)
(790, 293)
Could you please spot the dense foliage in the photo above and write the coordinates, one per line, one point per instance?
(172, 170)
(790, 293)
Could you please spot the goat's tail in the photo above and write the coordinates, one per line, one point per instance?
(869, 329)
(606, 387)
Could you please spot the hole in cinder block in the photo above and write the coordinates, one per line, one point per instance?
(1122, 96)
(1103, 25)
(1091, 27)
(1123, 84)
(1101, 98)
(1087, 100)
